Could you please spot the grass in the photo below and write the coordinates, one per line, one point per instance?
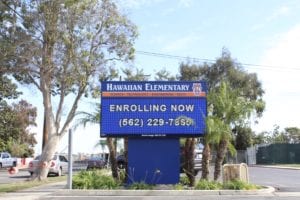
(12, 187)
(94, 179)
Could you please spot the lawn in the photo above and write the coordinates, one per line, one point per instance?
(12, 187)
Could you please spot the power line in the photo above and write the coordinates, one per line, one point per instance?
(195, 59)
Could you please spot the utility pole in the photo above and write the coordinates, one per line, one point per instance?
(70, 163)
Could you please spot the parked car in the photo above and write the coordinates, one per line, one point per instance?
(197, 160)
(6, 160)
(58, 165)
(95, 163)
(121, 161)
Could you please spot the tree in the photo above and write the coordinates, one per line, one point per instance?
(225, 69)
(60, 48)
(231, 109)
(261, 138)
(164, 75)
(243, 137)
(293, 134)
(14, 129)
(8, 90)
(15, 119)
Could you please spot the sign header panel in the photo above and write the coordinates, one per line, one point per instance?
(153, 108)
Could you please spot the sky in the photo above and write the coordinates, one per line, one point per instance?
(264, 33)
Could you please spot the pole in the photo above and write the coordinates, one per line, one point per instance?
(70, 163)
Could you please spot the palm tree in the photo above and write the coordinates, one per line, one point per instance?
(228, 109)
(95, 118)
(213, 129)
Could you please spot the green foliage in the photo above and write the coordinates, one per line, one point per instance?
(164, 75)
(8, 90)
(289, 135)
(204, 184)
(243, 137)
(15, 121)
(179, 187)
(293, 134)
(239, 185)
(184, 180)
(122, 175)
(19, 149)
(95, 179)
(138, 75)
(140, 186)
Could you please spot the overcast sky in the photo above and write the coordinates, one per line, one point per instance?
(255, 32)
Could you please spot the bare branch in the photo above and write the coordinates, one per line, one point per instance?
(72, 111)
(34, 82)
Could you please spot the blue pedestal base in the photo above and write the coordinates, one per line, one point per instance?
(153, 160)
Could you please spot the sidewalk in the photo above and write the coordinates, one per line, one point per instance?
(34, 193)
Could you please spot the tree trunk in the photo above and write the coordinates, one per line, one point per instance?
(126, 158)
(45, 132)
(222, 150)
(112, 158)
(46, 157)
(205, 161)
(189, 151)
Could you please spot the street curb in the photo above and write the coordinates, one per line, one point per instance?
(274, 167)
(64, 192)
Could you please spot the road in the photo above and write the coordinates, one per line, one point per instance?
(23, 174)
(284, 180)
(5, 177)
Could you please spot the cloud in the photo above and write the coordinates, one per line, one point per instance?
(285, 51)
(281, 82)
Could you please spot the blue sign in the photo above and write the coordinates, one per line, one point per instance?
(153, 108)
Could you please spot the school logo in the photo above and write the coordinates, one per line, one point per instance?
(197, 89)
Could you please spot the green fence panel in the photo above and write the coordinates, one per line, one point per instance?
(278, 154)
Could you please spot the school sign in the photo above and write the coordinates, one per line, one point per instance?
(153, 109)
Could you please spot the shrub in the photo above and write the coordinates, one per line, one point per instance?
(239, 185)
(96, 179)
(204, 184)
(184, 180)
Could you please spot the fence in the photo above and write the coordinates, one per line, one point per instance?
(278, 154)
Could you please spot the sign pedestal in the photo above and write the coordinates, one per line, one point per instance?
(153, 160)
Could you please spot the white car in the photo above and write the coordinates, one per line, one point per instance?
(6, 160)
(58, 165)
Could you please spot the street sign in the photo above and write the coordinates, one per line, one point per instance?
(153, 108)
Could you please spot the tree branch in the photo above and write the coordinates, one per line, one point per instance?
(72, 111)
